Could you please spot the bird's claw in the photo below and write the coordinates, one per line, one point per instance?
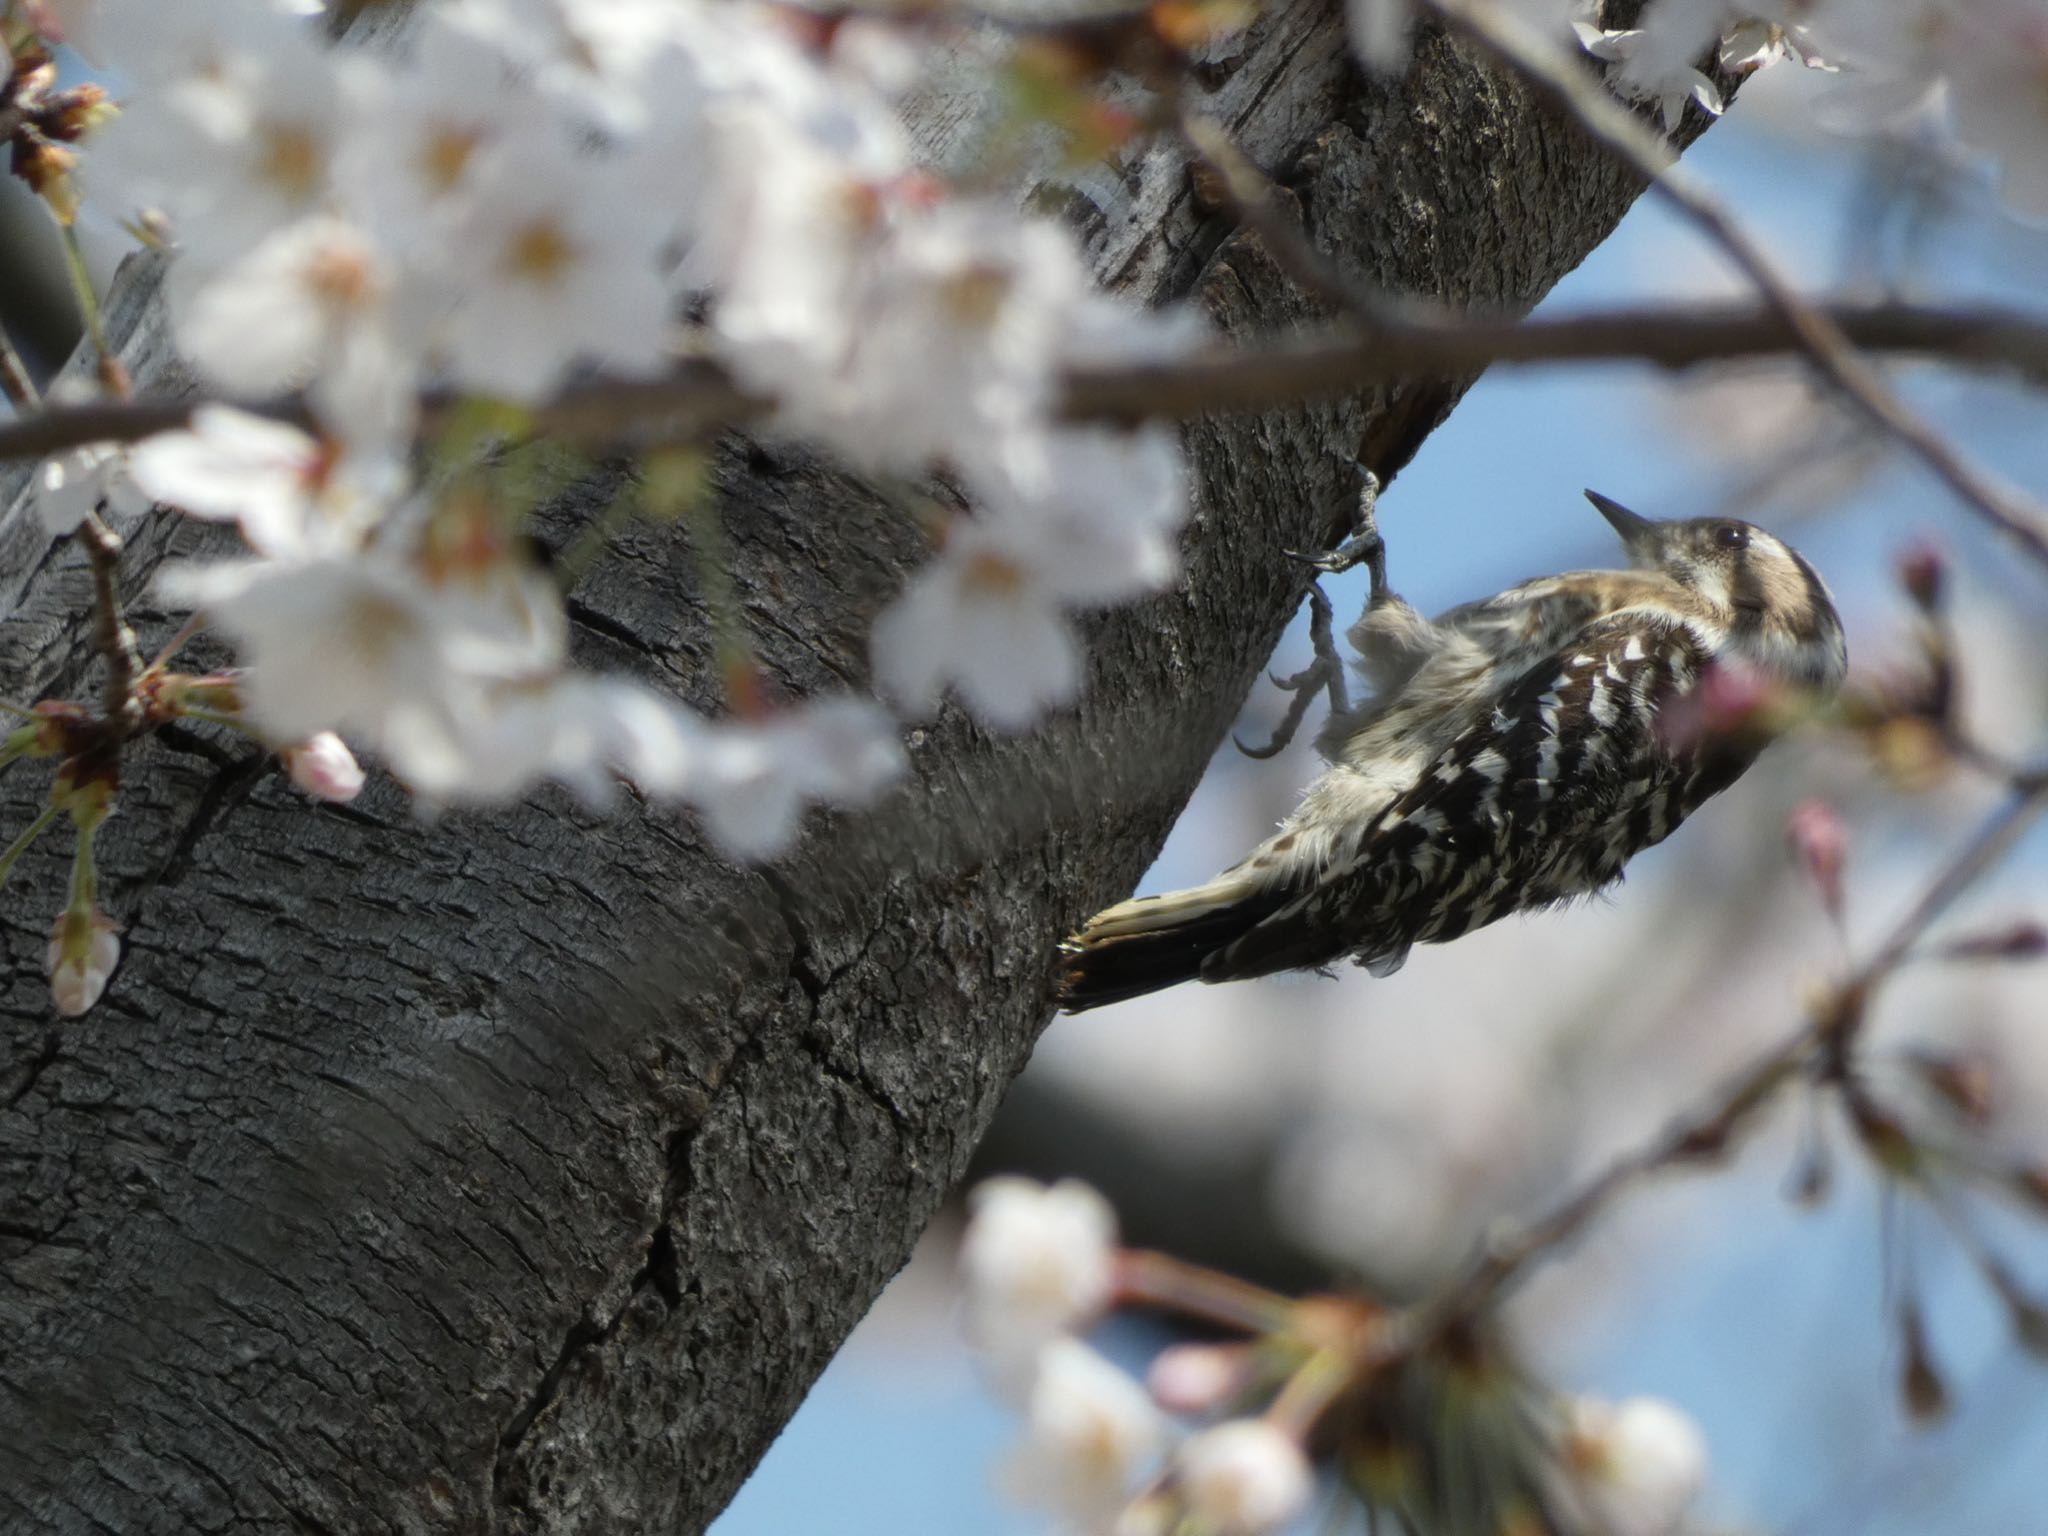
(1323, 675)
(1364, 546)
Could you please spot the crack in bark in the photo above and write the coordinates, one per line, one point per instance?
(660, 1271)
(33, 1070)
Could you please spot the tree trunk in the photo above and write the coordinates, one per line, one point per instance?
(520, 1171)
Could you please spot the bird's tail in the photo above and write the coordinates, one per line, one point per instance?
(1151, 942)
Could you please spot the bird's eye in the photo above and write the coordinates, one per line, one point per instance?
(1731, 536)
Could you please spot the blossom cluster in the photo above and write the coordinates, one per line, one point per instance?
(524, 194)
(1977, 64)
(533, 188)
(1101, 1453)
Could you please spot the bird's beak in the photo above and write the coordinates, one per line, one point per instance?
(1637, 533)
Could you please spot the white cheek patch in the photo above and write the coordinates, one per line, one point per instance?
(1713, 585)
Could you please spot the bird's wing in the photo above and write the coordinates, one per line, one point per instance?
(1543, 797)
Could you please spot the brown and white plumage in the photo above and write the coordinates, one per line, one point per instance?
(1510, 759)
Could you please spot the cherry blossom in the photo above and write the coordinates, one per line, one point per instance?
(1635, 1467)
(72, 486)
(290, 493)
(1996, 56)
(242, 138)
(1244, 1477)
(1037, 1260)
(366, 643)
(754, 777)
(1090, 1433)
(559, 271)
(986, 617)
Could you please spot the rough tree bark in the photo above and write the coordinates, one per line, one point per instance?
(520, 1171)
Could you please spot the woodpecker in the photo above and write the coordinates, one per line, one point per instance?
(1509, 759)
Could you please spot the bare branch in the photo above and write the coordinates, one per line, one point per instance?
(1339, 362)
(1703, 1132)
(699, 397)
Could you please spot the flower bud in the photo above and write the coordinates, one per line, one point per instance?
(1921, 1388)
(1243, 1478)
(1090, 1435)
(324, 768)
(1923, 572)
(1037, 1261)
(1821, 844)
(1635, 1467)
(1729, 701)
(1198, 1378)
(84, 948)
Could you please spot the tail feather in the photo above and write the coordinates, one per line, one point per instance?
(1153, 942)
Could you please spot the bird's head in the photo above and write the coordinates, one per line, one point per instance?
(1778, 613)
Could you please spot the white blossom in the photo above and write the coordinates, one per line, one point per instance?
(1244, 1477)
(1888, 54)
(456, 101)
(1996, 57)
(1036, 1260)
(1379, 32)
(85, 946)
(558, 267)
(1658, 62)
(243, 143)
(594, 54)
(311, 304)
(1634, 1467)
(1755, 44)
(1105, 506)
(986, 617)
(365, 643)
(1090, 1435)
(87, 479)
(753, 777)
(290, 493)
(490, 742)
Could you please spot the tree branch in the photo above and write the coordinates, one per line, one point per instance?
(1822, 1042)
(698, 397)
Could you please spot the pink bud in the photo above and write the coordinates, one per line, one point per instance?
(1921, 572)
(324, 767)
(1821, 844)
(84, 948)
(1198, 1378)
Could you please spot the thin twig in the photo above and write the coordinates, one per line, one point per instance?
(111, 633)
(1707, 1130)
(113, 372)
(695, 398)
(1622, 134)
(1338, 362)
(15, 382)
(1147, 1278)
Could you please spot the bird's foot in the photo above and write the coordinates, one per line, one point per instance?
(1365, 546)
(1323, 675)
